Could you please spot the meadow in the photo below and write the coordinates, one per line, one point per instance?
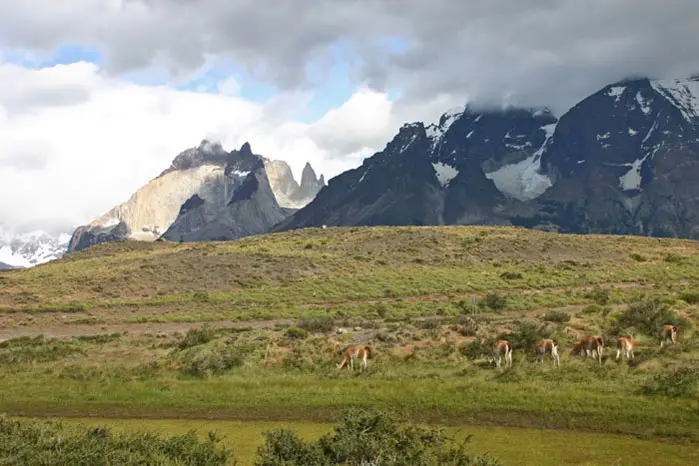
(251, 331)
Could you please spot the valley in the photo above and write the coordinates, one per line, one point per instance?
(251, 330)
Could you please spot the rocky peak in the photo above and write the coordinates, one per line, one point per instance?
(207, 153)
(243, 161)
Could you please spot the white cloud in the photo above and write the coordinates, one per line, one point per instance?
(97, 139)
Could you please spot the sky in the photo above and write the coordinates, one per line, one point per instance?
(98, 96)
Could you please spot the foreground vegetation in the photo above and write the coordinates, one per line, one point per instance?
(282, 307)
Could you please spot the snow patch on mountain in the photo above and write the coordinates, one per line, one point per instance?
(682, 93)
(643, 103)
(521, 180)
(31, 248)
(436, 132)
(631, 180)
(616, 92)
(444, 173)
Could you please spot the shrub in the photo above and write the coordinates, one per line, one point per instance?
(673, 258)
(48, 442)
(683, 382)
(647, 316)
(637, 257)
(511, 276)
(557, 316)
(495, 302)
(525, 334)
(365, 437)
(468, 327)
(690, 297)
(296, 333)
(213, 357)
(196, 337)
(476, 349)
(318, 324)
(598, 295)
(27, 349)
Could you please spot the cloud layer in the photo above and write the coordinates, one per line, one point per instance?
(77, 138)
(532, 51)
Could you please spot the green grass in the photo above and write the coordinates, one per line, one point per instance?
(515, 446)
(385, 280)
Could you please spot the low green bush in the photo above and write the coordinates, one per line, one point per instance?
(367, 437)
(25, 442)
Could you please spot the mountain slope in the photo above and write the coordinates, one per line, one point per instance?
(252, 208)
(201, 172)
(623, 160)
(447, 173)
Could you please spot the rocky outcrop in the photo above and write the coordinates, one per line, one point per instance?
(207, 175)
(252, 207)
(285, 188)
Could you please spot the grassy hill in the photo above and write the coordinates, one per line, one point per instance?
(275, 304)
(347, 271)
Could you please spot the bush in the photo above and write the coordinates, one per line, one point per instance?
(495, 302)
(318, 324)
(196, 337)
(38, 349)
(511, 276)
(525, 334)
(690, 297)
(476, 349)
(683, 382)
(647, 316)
(213, 357)
(598, 295)
(637, 257)
(47, 442)
(557, 316)
(296, 333)
(366, 437)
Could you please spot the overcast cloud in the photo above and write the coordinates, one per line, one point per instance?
(83, 138)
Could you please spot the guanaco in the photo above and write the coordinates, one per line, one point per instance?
(667, 332)
(353, 352)
(593, 346)
(624, 345)
(502, 349)
(547, 345)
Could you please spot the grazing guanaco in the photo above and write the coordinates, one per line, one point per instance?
(624, 345)
(667, 332)
(547, 345)
(353, 352)
(502, 349)
(593, 346)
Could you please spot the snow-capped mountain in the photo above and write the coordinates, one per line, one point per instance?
(623, 160)
(31, 248)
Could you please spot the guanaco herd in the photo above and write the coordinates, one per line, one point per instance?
(592, 345)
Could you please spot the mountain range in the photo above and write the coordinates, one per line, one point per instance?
(624, 160)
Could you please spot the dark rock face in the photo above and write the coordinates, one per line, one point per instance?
(431, 176)
(625, 160)
(252, 209)
(84, 237)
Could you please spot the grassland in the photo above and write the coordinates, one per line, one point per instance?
(124, 313)
(514, 445)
